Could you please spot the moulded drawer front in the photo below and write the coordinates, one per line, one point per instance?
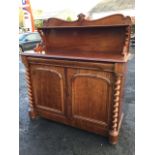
(74, 64)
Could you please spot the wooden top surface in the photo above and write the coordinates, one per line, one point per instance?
(83, 56)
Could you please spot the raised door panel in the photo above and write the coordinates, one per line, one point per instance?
(91, 93)
(48, 87)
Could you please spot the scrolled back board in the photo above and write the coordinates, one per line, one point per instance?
(117, 19)
(107, 35)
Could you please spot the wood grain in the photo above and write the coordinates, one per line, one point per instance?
(76, 75)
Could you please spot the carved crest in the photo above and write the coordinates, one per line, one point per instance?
(81, 17)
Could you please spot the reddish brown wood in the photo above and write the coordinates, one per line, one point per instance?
(76, 75)
(116, 19)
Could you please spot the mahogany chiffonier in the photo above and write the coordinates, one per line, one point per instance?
(76, 75)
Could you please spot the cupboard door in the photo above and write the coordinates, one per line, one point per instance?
(90, 97)
(48, 84)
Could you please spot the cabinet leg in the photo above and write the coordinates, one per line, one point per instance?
(32, 114)
(113, 137)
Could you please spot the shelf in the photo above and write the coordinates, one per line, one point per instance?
(79, 55)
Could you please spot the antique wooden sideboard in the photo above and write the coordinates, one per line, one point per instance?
(76, 75)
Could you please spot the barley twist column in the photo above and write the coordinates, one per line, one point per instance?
(127, 40)
(115, 112)
(32, 112)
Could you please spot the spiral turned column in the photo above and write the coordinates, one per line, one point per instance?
(113, 135)
(127, 40)
(32, 112)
